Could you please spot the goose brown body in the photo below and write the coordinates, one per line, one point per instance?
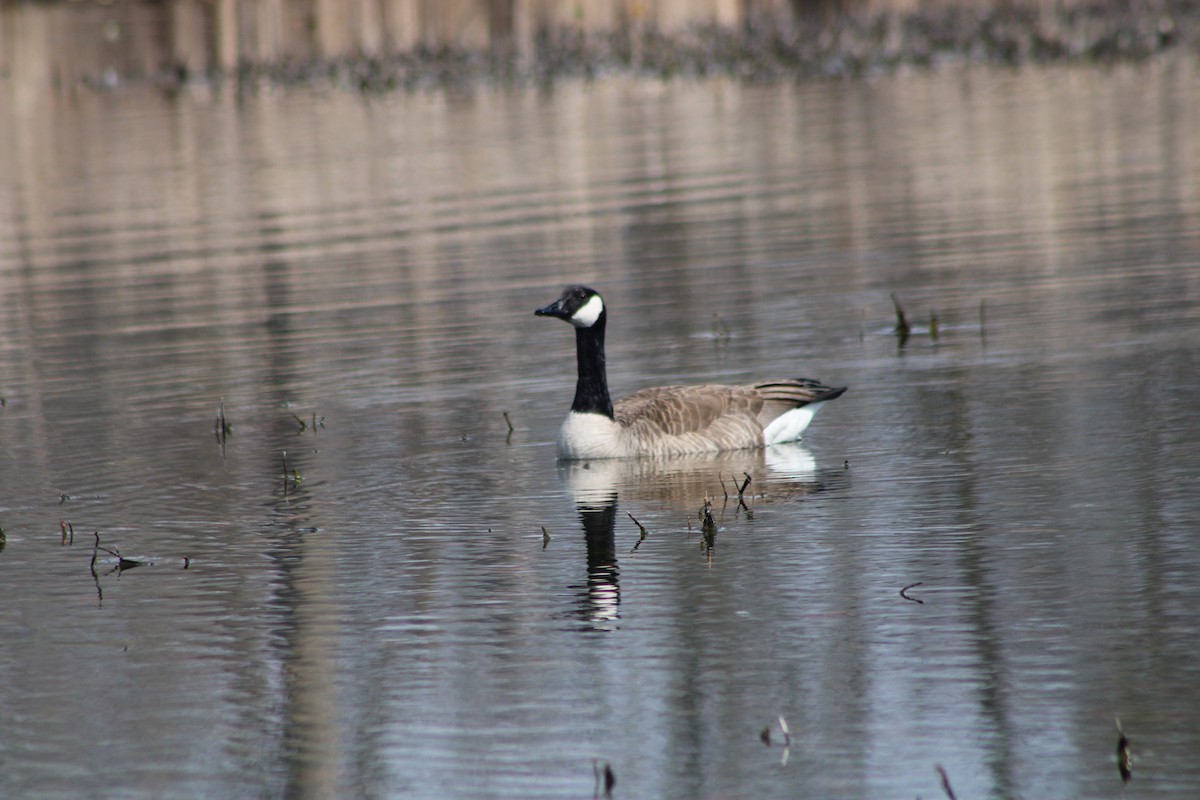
(671, 420)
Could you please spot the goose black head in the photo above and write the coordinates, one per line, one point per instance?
(579, 305)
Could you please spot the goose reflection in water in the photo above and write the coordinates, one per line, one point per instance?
(683, 484)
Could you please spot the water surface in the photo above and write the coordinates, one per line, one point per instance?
(355, 279)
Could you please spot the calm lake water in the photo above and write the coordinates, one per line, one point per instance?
(355, 279)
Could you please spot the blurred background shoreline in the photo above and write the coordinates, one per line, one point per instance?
(378, 45)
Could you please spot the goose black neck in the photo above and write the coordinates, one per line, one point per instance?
(591, 389)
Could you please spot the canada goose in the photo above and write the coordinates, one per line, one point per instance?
(670, 420)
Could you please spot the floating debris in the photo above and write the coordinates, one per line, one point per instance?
(293, 477)
(765, 737)
(946, 783)
(1124, 755)
(606, 779)
(306, 425)
(545, 537)
(221, 426)
(708, 528)
(904, 592)
(902, 329)
(641, 528)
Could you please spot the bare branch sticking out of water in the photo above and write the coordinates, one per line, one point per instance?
(306, 425)
(122, 562)
(221, 426)
(68, 532)
(545, 537)
(121, 565)
(708, 528)
(606, 779)
(92, 566)
(1124, 754)
(903, 329)
(904, 592)
(508, 422)
(641, 528)
(765, 738)
(946, 783)
(742, 491)
(294, 477)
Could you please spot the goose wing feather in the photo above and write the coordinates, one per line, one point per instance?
(684, 419)
(677, 410)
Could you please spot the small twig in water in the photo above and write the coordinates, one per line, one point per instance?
(92, 567)
(708, 527)
(904, 592)
(946, 783)
(508, 422)
(221, 426)
(545, 537)
(1124, 754)
(605, 778)
(312, 425)
(68, 532)
(903, 329)
(641, 528)
(293, 476)
(742, 491)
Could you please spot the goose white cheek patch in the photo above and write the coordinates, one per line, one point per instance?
(588, 313)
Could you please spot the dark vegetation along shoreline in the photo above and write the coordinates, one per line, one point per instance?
(835, 44)
(157, 44)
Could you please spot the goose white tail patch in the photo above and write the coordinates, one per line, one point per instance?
(588, 313)
(788, 426)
